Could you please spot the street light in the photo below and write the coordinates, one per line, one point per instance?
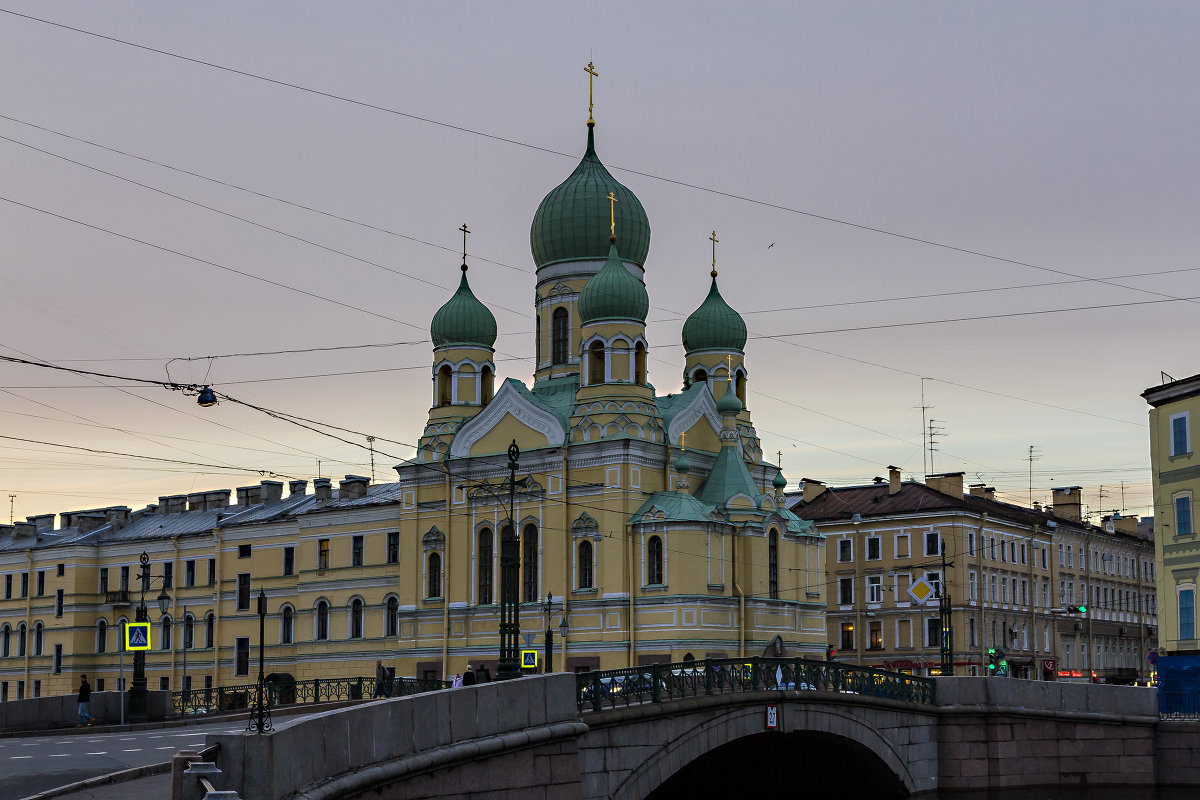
(562, 635)
(549, 636)
(138, 694)
(260, 720)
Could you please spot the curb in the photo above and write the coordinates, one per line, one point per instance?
(102, 780)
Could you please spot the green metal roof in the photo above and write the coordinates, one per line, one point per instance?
(729, 477)
(463, 320)
(572, 222)
(613, 293)
(714, 325)
(676, 507)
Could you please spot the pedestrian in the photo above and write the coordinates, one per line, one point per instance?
(380, 680)
(85, 701)
(457, 682)
(469, 677)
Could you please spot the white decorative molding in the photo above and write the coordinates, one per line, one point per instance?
(507, 401)
(702, 406)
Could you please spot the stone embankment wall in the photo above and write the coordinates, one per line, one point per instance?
(62, 711)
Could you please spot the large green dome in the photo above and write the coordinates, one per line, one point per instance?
(714, 325)
(613, 293)
(572, 222)
(463, 320)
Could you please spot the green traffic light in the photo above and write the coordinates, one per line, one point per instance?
(991, 651)
(1083, 609)
(991, 666)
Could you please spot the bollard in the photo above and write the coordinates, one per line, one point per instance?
(193, 789)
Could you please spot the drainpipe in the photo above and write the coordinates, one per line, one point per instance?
(217, 610)
(629, 583)
(1036, 668)
(737, 588)
(625, 479)
(27, 639)
(448, 493)
(568, 553)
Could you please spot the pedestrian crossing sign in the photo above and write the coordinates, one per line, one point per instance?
(137, 636)
(529, 659)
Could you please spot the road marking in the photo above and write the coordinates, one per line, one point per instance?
(20, 757)
(60, 755)
(168, 747)
(101, 753)
(133, 750)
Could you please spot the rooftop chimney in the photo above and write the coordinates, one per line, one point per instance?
(893, 479)
(272, 491)
(216, 499)
(172, 504)
(118, 516)
(323, 489)
(89, 521)
(950, 483)
(297, 488)
(812, 489)
(42, 522)
(249, 495)
(197, 501)
(21, 529)
(1037, 506)
(1068, 503)
(353, 487)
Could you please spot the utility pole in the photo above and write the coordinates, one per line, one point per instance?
(1033, 456)
(947, 622)
(12, 499)
(371, 447)
(924, 408)
(934, 432)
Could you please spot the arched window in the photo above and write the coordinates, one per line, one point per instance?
(584, 569)
(773, 563)
(210, 624)
(529, 546)
(356, 619)
(164, 635)
(700, 376)
(654, 554)
(21, 631)
(486, 385)
(560, 335)
(486, 567)
(101, 637)
(391, 614)
(537, 343)
(445, 381)
(739, 386)
(287, 625)
(433, 581)
(322, 621)
(189, 632)
(6, 644)
(596, 363)
(639, 364)
(38, 631)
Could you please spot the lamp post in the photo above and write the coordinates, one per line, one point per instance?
(562, 635)
(138, 694)
(260, 720)
(549, 636)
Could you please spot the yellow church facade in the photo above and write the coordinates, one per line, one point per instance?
(651, 528)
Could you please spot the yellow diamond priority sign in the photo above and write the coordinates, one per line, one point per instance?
(921, 590)
(137, 636)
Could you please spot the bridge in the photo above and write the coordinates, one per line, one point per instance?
(730, 725)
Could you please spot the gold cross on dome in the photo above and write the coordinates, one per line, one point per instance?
(591, 71)
(729, 367)
(612, 214)
(683, 441)
(714, 240)
(465, 231)
(779, 458)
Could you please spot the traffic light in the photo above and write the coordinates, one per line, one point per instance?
(1077, 609)
(991, 659)
(830, 653)
(997, 663)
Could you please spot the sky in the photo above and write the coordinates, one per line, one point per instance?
(997, 197)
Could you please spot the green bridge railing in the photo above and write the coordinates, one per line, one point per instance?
(618, 688)
(317, 690)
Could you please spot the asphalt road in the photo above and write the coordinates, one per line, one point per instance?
(37, 763)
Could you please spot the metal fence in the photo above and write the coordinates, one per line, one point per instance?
(317, 690)
(617, 688)
(1178, 705)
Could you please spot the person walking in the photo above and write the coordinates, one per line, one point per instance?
(85, 700)
(468, 678)
(380, 680)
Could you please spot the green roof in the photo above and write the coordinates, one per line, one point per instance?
(729, 477)
(572, 222)
(675, 507)
(714, 325)
(613, 293)
(463, 320)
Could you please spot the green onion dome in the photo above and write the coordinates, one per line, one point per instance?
(780, 482)
(682, 465)
(463, 320)
(729, 403)
(714, 325)
(613, 293)
(572, 222)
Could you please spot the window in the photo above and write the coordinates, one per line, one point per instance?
(1045, 594)
(1003, 552)
(874, 589)
(164, 633)
(433, 581)
(39, 637)
(773, 563)
(322, 554)
(874, 551)
(933, 632)
(973, 583)
(24, 584)
(973, 633)
(845, 591)
(5, 641)
(189, 632)
(212, 572)
(58, 603)
(485, 567)
(935, 579)
(847, 636)
(1180, 435)
(124, 579)
(904, 633)
(595, 364)
(21, 631)
(875, 632)
(287, 625)
(289, 560)
(356, 551)
(1061, 561)
(58, 650)
(356, 619)
(654, 555)
(902, 545)
(8, 587)
(243, 551)
(1045, 559)
(164, 683)
(1183, 515)
(845, 551)
(41, 583)
(1023, 554)
(37, 688)
(391, 617)
(529, 544)
(992, 595)
(62, 570)
(210, 625)
(189, 573)
(101, 637)
(970, 543)
(243, 591)
(1187, 613)
(931, 543)
(168, 575)
(1012, 551)
(393, 547)
(586, 578)
(322, 631)
(559, 336)
(242, 656)
(1024, 592)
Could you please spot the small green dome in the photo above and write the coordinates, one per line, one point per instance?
(729, 403)
(714, 325)
(572, 222)
(463, 320)
(780, 482)
(682, 465)
(613, 293)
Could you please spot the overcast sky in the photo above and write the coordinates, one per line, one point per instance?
(1054, 140)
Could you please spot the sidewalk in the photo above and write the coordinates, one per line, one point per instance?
(154, 787)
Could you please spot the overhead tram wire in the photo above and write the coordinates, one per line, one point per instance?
(506, 140)
(243, 470)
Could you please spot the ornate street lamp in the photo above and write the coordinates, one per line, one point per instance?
(138, 694)
(260, 720)
(549, 636)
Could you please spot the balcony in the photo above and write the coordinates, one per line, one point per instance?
(118, 598)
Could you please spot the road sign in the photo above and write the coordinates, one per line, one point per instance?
(529, 659)
(921, 590)
(137, 636)
(1049, 664)
(772, 717)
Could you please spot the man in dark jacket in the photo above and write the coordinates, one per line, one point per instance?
(85, 700)
(469, 676)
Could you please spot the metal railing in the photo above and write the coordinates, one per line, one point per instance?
(318, 690)
(618, 688)
(1178, 705)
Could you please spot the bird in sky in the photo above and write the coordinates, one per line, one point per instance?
(772, 244)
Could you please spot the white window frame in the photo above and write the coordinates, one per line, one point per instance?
(907, 552)
(1191, 512)
(850, 542)
(1187, 430)
(874, 588)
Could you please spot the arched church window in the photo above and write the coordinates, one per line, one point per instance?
(584, 569)
(596, 363)
(639, 364)
(654, 558)
(773, 563)
(287, 625)
(739, 386)
(486, 381)
(433, 582)
(700, 376)
(537, 342)
(391, 617)
(486, 568)
(356, 618)
(560, 335)
(529, 565)
(322, 620)
(445, 382)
